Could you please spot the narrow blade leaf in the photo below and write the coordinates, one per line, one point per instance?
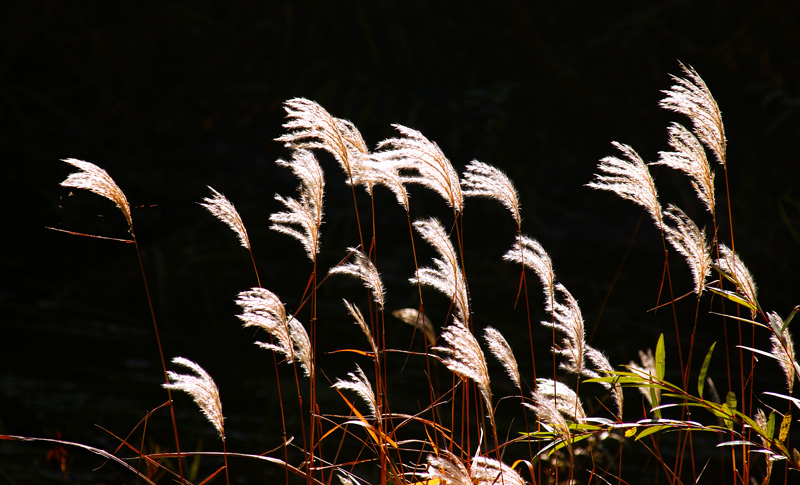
(701, 379)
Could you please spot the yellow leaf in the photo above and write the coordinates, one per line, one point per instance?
(785, 423)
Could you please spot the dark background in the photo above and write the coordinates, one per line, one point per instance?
(173, 96)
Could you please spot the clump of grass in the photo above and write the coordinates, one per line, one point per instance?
(570, 437)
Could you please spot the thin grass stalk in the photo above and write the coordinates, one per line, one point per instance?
(225, 211)
(434, 389)
(524, 289)
(96, 180)
(313, 420)
(467, 387)
(160, 352)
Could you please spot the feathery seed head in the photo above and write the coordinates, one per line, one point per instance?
(449, 470)
(202, 389)
(446, 276)
(532, 255)
(302, 345)
(221, 208)
(464, 357)
(554, 403)
(564, 398)
(262, 308)
(689, 157)
(95, 179)
(359, 384)
(483, 180)
(502, 351)
(446, 468)
(568, 320)
(305, 212)
(362, 324)
(734, 269)
(783, 349)
(308, 171)
(311, 126)
(413, 317)
(601, 363)
(691, 97)
(690, 241)
(380, 169)
(629, 179)
(362, 268)
(488, 471)
(415, 152)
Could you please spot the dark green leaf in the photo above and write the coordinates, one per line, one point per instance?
(771, 425)
(701, 379)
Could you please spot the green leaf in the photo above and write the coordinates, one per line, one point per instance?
(726, 412)
(650, 430)
(661, 358)
(701, 379)
(791, 315)
(770, 425)
(655, 398)
(731, 401)
(729, 409)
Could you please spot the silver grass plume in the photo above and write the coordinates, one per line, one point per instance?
(555, 403)
(502, 351)
(629, 179)
(564, 398)
(311, 126)
(783, 349)
(488, 471)
(220, 207)
(202, 389)
(446, 468)
(344, 478)
(432, 168)
(689, 241)
(302, 344)
(600, 362)
(735, 270)
(362, 324)
(359, 384)
(262, 308)
(530, 253)
(464, 357)
(446, 276)
(418, 320)
(95, 179)
(646, 368)
(691, 97)
(568, 320)
(362, 268)
(484, 180)
(690, 158)
(449, 470)
(303, 217)
(378, 169)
